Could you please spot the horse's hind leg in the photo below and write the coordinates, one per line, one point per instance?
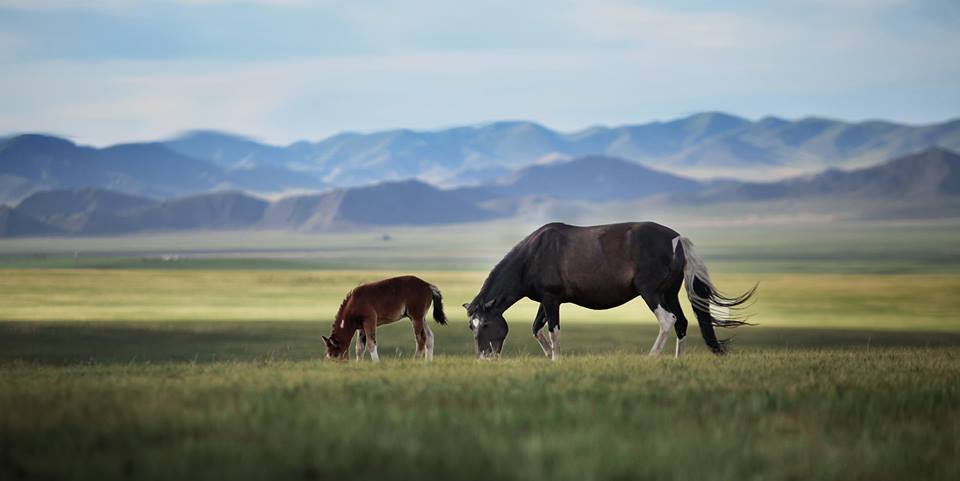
(666, 320)
(420, 335)
(428, 341)
(680, 327)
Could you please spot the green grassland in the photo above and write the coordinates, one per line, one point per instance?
(841, 413)
(198, 356)
(902, 301)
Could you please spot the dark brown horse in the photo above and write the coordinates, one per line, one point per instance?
(382, 302)
(601, 267)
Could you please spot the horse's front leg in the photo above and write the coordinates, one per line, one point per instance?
(370, 330)
(552, 313)
(361, 344)
(538, 324)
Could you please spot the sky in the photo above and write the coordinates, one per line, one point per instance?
(108, 71)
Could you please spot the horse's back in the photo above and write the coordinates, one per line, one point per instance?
(398, 282)
(596, 266)
(391, 298)
(600, 241)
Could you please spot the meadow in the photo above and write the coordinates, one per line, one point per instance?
(171, 357)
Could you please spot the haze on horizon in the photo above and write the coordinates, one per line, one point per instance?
(107, 71)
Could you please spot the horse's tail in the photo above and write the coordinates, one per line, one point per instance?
(712, 307)
(438, 314)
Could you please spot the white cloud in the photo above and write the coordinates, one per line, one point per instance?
(613, 62)
(283, 101)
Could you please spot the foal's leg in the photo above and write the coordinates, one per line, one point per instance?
(429, 341)
(421, 337)
(538, 324)
(370, 330)
(361, 342)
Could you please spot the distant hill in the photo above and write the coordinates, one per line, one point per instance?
(31, 163)
(16, 224)
(83, 210)
(389, 203)
(66, 202)
(231, 151)
(589, 178)
(97, 212)
(711, 144)
(929, 174)
(218, 210)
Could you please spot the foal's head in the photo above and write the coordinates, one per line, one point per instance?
(339, 341)
(489, 329)
(341, 332)
(335, 349)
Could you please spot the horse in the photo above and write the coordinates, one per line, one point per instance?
(383, 302)
(602, 267)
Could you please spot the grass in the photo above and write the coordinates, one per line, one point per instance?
(267, 408)
(853, 248)
(908, 301)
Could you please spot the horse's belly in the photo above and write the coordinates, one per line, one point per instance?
(594, 298)
(394, 314)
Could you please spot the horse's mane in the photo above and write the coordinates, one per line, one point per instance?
(343, 305)
(505, 275)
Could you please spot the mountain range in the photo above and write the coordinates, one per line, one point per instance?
(700, 146)
(31, 163)
(924, 184)
(704, 145)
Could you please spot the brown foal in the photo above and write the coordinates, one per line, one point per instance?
(383, 302)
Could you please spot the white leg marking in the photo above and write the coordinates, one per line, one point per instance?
(544, 343)
(372, 349)
(681, 342)
(555, 340)
(666, 320)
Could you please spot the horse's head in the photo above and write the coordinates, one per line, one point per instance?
(489, 329)
(335, 350)
(337, 344)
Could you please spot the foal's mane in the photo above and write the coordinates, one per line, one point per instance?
(343, 306)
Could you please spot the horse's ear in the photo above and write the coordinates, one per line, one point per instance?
(326, 340)
(466, 305)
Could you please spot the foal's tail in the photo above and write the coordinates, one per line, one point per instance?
(438, 314)
(712, 307)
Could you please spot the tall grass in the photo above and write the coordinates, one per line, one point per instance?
(767, 414)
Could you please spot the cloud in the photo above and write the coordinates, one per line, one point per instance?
(433, 64)
(284, 101)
